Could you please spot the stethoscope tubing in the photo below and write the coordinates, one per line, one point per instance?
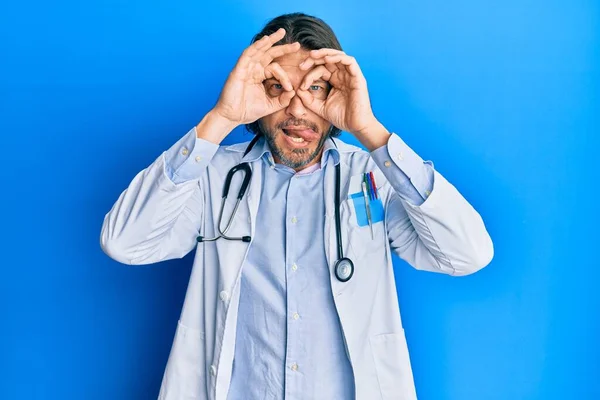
(344, 267)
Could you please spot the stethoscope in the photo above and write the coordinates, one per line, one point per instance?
(344, 267)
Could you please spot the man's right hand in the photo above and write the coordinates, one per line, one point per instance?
(244, 98)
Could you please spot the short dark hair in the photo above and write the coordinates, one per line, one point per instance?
(311, 32)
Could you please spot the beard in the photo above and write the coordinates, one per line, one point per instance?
(296, 158)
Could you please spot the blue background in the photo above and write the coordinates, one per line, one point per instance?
(503, 96)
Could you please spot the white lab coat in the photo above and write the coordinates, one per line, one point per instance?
(155, 219)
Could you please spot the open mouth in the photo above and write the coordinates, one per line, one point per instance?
(293, 136)
(300, 134)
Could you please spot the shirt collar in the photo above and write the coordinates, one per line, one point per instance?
(261, 150)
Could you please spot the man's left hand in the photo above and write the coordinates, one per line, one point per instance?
(347, 105)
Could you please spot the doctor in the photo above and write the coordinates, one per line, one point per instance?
(268, 317)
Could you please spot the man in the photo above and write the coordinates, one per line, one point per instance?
(272, 316)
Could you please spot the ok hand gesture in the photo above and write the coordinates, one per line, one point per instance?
(243, 98)
(347, 106)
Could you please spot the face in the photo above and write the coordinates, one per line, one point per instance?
(295, 134)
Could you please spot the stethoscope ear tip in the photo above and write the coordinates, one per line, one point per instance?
(199, 239)
(246, 239)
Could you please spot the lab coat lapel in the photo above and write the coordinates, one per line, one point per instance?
(254, 192)
(233, 253)
(329, 228)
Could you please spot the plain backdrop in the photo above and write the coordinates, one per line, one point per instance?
(503, 97)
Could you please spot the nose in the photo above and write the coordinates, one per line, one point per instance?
(296, 108)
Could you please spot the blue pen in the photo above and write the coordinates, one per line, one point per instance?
(368, 207)
(372, 185)
(367, 179)
(366, 182)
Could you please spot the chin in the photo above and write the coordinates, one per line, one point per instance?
(293, 153)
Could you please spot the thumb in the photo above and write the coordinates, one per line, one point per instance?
(315, 105)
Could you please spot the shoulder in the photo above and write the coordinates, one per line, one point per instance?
(353, 156)
(230, 154)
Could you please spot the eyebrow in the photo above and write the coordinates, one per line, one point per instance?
(277, 80)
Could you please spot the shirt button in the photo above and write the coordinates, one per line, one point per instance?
(294, 267)
(294, 367)
(198, 158)
(294, 220)
(296, 315)
(427, 193)
(184, 151)
(213, 370)
(224, 295)
(387, 163)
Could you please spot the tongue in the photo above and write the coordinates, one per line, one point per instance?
(306, 134)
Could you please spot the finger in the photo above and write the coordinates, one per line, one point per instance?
(278, 51)
(325, 52)
(314, 74)
(310, 62)
(344, 62)
(274, 70)
(282, 101)
(261, 42)
(349, 62)
(318, 54)
(264, 43)
(315, 105)
(331, 66)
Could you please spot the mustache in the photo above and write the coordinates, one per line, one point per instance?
(297, 122)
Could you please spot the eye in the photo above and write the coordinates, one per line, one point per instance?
(273, 89)
(315, 87)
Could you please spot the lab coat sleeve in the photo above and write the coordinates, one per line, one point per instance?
(157, 217)
(444, 233)
(413, 180)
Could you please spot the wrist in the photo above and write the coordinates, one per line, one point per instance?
(373, 136)
(214, 127)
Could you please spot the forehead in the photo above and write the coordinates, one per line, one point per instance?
(291, 62)
(292, 59)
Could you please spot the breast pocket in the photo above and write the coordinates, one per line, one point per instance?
(360, 242)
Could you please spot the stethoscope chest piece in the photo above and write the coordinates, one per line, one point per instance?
(344, 269)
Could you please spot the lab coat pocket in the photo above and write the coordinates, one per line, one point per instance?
(361, 243)
(357, 197)
(184, 376)
(360, 210)
(392, 363)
